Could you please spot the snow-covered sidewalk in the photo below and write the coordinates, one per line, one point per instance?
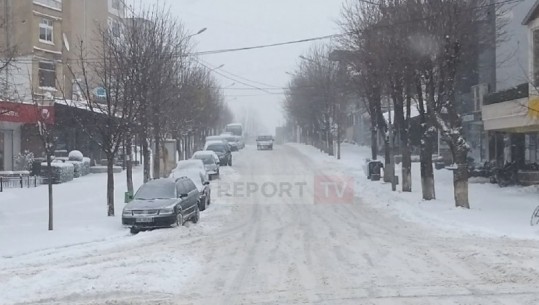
(79, 214)
(494, 211)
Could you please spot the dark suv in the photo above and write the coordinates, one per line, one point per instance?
(162, 203)
(223, 152)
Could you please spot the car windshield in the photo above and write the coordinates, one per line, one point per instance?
(217, 147)
(206, 159)
(156, 191)
(188, 164)
(264, 138)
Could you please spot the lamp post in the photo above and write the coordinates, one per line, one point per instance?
(197, 33)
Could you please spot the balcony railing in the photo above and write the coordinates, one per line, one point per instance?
(54, 4)
(518, 92)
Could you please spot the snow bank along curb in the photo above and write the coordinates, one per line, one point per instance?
(495, 211)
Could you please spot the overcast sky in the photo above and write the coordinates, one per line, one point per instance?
(239, 23)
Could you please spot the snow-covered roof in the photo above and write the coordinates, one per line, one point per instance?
(79, 105)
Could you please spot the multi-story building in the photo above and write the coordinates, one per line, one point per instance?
(46, 36)
(508, 114)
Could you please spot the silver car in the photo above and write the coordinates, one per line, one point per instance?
(210, 160)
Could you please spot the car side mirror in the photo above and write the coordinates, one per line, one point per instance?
(184, 196)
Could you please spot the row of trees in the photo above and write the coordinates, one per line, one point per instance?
(152, 90)
(398, 55)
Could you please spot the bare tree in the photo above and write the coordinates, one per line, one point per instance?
(110, 112)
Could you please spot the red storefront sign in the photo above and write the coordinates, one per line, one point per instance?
(26, 113)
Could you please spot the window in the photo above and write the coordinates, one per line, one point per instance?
(116, 4)
(47, 74)
(46, 30)
(189, 185)
(115, 29)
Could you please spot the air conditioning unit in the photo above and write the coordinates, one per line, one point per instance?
(479, 92)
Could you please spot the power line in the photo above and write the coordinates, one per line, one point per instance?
(232, 79)
(241, 77)
(266, 45)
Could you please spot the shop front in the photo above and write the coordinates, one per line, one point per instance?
(13, 117)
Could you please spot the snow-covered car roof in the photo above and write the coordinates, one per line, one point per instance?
(191, 163)
(195, 174)
(213, 142)
(206, 153)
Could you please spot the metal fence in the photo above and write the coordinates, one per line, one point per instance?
(20, 182)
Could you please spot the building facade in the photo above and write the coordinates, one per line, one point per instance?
(47, 37)
(511, 115)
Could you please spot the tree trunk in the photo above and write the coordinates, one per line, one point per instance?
(110, 184)
(338, 142)
(179, 147)
(460, 178)
(427, 139)
(157, 157)
(427, 172)
(387, 162)
(49, 183)
(406, 166)
(146, 159)
(374, 142)
(129, 163)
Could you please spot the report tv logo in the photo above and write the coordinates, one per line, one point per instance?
(288, 189)
(334, 189)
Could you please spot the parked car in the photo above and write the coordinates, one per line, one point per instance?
(162, 203)
(264, 142)
(232, 141)
(222, 150)
(216, 138)
(194, 170)
(241, 142)
(210, 160)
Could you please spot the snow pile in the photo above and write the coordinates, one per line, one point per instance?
(494, 211)
(75, 155)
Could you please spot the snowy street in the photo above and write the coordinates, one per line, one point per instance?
(260, 250)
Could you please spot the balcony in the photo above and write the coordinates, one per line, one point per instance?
(518, 92)
(52, 4)
(511, 110)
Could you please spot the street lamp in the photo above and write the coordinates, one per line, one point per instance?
(198, 33)
(201, 31)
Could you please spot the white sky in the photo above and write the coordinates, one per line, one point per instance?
(239, 23)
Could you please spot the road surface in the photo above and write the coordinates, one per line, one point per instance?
(259, 251)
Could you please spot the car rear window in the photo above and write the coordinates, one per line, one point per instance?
(216, 147)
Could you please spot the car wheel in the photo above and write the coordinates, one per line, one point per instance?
(179, 219)
(196, 216)
(202, 204)
(134, 230)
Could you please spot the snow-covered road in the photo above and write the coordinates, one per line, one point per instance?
(260, 250)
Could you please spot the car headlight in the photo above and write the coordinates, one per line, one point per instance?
(127, 212)
(166, 211)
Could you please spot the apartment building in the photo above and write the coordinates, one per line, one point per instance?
(510, 115)
(46, 36)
